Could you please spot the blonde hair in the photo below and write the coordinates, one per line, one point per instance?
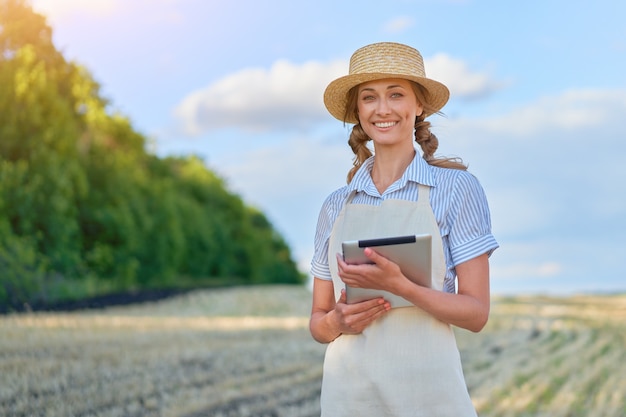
(423, 136)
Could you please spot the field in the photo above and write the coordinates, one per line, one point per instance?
(247, 352)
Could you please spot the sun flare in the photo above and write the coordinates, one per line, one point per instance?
(57, 10)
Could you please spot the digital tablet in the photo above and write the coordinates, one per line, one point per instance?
(412, 253)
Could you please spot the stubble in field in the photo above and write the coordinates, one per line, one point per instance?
(248, 352)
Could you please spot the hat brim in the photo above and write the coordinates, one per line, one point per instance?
(336, 94)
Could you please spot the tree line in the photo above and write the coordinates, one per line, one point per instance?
(85, 209)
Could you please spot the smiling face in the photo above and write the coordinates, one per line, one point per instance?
(387, 110)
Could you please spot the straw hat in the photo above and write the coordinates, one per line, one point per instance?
(378, 61)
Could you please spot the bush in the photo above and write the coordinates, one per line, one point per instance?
(23, 272)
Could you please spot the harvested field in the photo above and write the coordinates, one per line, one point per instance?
(247, 352)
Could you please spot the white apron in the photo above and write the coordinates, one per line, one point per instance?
(407, 362)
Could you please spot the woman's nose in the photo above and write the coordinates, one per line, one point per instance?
(383, 107)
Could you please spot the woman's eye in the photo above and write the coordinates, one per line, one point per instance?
(396, 95)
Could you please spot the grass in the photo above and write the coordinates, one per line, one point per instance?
(247, 352)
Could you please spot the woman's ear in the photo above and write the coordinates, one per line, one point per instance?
(419, 111)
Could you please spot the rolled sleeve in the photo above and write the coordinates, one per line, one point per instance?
(321, 271)
(470, 250)
(328, 214)
(470, 221)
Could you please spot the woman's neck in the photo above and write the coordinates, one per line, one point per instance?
(389, 166)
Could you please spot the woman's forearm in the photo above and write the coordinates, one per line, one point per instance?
(459, 310)
(323, 327)
(469, 308)
(323, 324)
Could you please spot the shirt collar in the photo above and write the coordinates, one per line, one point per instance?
(418, 171)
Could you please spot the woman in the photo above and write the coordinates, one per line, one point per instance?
(402, 361)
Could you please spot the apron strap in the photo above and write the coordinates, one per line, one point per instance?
(350, 197)
(423, 193)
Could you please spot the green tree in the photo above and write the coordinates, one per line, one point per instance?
(85, 208)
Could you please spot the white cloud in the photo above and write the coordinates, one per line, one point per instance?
(460, 79)
(570, 111)
(288, 95)
(398, 24)
(283, 97)
(583, 120)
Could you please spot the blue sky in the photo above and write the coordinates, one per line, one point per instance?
(538, 109)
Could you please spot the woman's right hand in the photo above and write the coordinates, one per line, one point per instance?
(330, 319)
(354, 318)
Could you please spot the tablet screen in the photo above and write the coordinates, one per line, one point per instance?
(412, 253)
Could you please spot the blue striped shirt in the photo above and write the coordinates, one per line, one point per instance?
(457, 198)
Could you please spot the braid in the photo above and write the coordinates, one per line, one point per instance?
(427, 140)
(358, 142)
(429, 144)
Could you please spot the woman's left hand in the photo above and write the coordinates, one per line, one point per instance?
(383, 274)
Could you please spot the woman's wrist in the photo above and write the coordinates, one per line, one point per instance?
(333, 326)
(325, 328)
